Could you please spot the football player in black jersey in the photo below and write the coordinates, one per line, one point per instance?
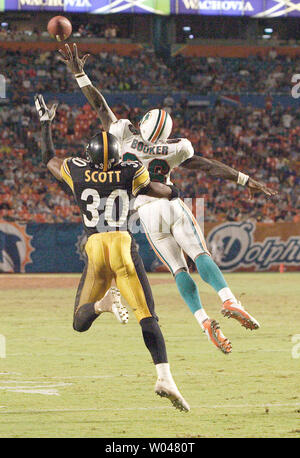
(102, 186)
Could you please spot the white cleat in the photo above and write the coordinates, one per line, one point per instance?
(118, 309)
(111, 302)
(168, 390)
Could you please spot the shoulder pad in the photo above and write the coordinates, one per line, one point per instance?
(133, 164)
(78, 161)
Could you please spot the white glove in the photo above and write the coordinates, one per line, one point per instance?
(45, 114)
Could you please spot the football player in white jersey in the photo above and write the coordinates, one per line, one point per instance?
(169, 225)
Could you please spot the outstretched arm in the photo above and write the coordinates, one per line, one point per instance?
(46, 116)
(211, 167)
(93, 95)
(219, 170)
(160, 190)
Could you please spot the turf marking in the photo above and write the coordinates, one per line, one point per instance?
(29, 387)
(204, 407)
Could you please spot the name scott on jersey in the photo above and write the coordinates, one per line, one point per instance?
(102, 177)
(140, 146)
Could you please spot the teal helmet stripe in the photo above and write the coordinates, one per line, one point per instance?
(154, 130)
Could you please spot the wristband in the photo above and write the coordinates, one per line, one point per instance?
(242, 178)
(82, 80)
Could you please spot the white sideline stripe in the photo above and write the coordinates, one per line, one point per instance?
(51, 275)
(67, 377)
(221, 406)
(200, 352)
(24, 384)
(10, 373)
(29, 387)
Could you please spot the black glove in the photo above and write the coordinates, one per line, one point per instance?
(175, 192)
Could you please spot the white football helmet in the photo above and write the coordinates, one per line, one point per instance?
(156, 125)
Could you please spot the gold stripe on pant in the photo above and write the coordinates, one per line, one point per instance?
(109, 257)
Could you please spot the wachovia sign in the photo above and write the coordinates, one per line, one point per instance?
(238, 248)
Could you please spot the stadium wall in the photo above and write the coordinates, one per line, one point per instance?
(236, 246)
(126, 49)
(234, 50)
(142, 99)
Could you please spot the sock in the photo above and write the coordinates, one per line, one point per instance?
(104, 304)
(154, 340)
(211, 274)
(201, 316)
(84, 317)
(189, 291)
(163, 371)
(164, 374)
(226, 294)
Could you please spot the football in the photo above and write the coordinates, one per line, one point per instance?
(60, 28)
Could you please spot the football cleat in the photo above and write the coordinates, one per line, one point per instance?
(216, 336)
(235, 310)
(111, 302)
(118, 309)
(165, 389)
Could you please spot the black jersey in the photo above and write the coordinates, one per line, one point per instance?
(104, 197)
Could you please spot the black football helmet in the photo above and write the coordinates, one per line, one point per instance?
(103, 151)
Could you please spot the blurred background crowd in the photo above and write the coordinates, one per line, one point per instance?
(263, 142)
(143, 71)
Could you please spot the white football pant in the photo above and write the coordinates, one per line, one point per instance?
(171, 230)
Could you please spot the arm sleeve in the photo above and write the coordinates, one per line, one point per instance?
(185, 151)
(66, 174)
(120, 129)
(140, 181)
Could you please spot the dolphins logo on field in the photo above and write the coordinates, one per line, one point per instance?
(15, 247)
(239, 250)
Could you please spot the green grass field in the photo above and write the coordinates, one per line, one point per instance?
(55, 382)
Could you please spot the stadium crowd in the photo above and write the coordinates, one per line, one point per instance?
(143, 72)
(263, 142)
(9, 32)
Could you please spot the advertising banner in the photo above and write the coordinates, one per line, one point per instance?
(218, 7)
(235, 246)
(255, 8)
(52, 248)
(35, 5)
(248, 246)
(161, 7)
(276, 8)
(92, 6)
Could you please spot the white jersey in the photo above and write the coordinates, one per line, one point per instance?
(158, 158)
